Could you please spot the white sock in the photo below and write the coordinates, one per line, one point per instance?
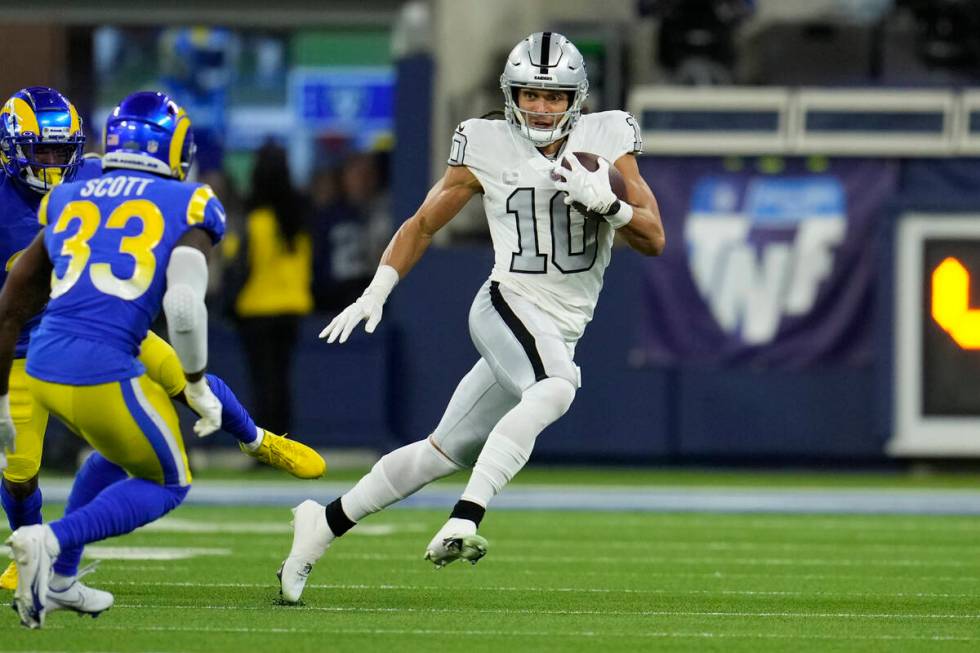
(257, 442)
(60, 583)
(456, 526)
(397, 475)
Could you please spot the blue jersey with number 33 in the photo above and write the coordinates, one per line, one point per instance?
(110, 240)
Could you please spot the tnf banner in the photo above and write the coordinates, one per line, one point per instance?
(768, 261)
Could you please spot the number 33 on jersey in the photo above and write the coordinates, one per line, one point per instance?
(109, 240)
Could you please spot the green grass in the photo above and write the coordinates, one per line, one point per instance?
(553, 581)
(920, 477)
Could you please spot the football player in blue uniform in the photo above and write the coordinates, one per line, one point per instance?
(40, 145)
(119, 247)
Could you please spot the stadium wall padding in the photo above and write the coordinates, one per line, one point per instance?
(390, 388)
(379, 390)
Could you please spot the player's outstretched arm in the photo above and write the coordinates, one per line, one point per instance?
(444, 200)
(645, 231)
(407, 246)
(187, 324)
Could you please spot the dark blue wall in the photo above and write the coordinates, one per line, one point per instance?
(392, 386)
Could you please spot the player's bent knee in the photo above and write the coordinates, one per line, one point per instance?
(555, 395)
(458, 448)
(175, 496)
(411, 467)
(21, 470)
(179, 491)
(162, 364)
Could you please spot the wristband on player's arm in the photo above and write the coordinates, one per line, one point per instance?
(384, 281)
(619, 215)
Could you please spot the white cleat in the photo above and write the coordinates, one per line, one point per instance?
(456, 540)
(311, 537)
(80, 598)
(34, 548)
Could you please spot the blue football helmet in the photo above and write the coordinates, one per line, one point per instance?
(41, 139)
(148, 131)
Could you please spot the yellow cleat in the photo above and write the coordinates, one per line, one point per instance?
(8, 580)
(288, 455)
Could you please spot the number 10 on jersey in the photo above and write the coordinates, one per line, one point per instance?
(529, 259)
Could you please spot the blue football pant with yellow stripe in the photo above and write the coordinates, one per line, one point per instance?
(97, 473)
(162, 366)
(133, 425)
(30, 420)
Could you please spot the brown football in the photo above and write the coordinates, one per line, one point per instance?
(591, 163)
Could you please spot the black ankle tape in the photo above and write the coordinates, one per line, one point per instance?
(337, 520)
(469, 510)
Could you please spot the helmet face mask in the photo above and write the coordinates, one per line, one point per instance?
(41, 139)
(549, 62)
(149, 132)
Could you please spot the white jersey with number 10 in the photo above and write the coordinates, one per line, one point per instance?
(544, 250)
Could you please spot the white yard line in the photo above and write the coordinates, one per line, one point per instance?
(425, 632)
(723, 545)
(770, 574)
(688, 560)
(567, 590)
(102, 552)
(180, 525)
(534, 612)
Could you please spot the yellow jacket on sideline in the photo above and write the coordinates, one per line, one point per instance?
(279, 280)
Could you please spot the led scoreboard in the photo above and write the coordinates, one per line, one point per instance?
(937, 336)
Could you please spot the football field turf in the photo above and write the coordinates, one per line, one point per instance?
(203, 580)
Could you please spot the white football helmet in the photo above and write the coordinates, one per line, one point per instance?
(545, 60)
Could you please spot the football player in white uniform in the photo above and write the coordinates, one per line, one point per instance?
(552, 231)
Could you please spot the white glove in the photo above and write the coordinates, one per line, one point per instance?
(590, 189)
(367, 307)
(204, 403)
(8, 433)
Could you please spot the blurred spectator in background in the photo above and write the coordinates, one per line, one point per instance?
(197, 66)
(697, 39)
(351, 226)
(277, 253)
(222, 264)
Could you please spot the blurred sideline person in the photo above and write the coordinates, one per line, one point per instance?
(527, 318)
(349, 232)
(278, 254)
(41, 139)
(223, 186)
(119, 247)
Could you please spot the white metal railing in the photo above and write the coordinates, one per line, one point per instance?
(970, 105)
(790, 112)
